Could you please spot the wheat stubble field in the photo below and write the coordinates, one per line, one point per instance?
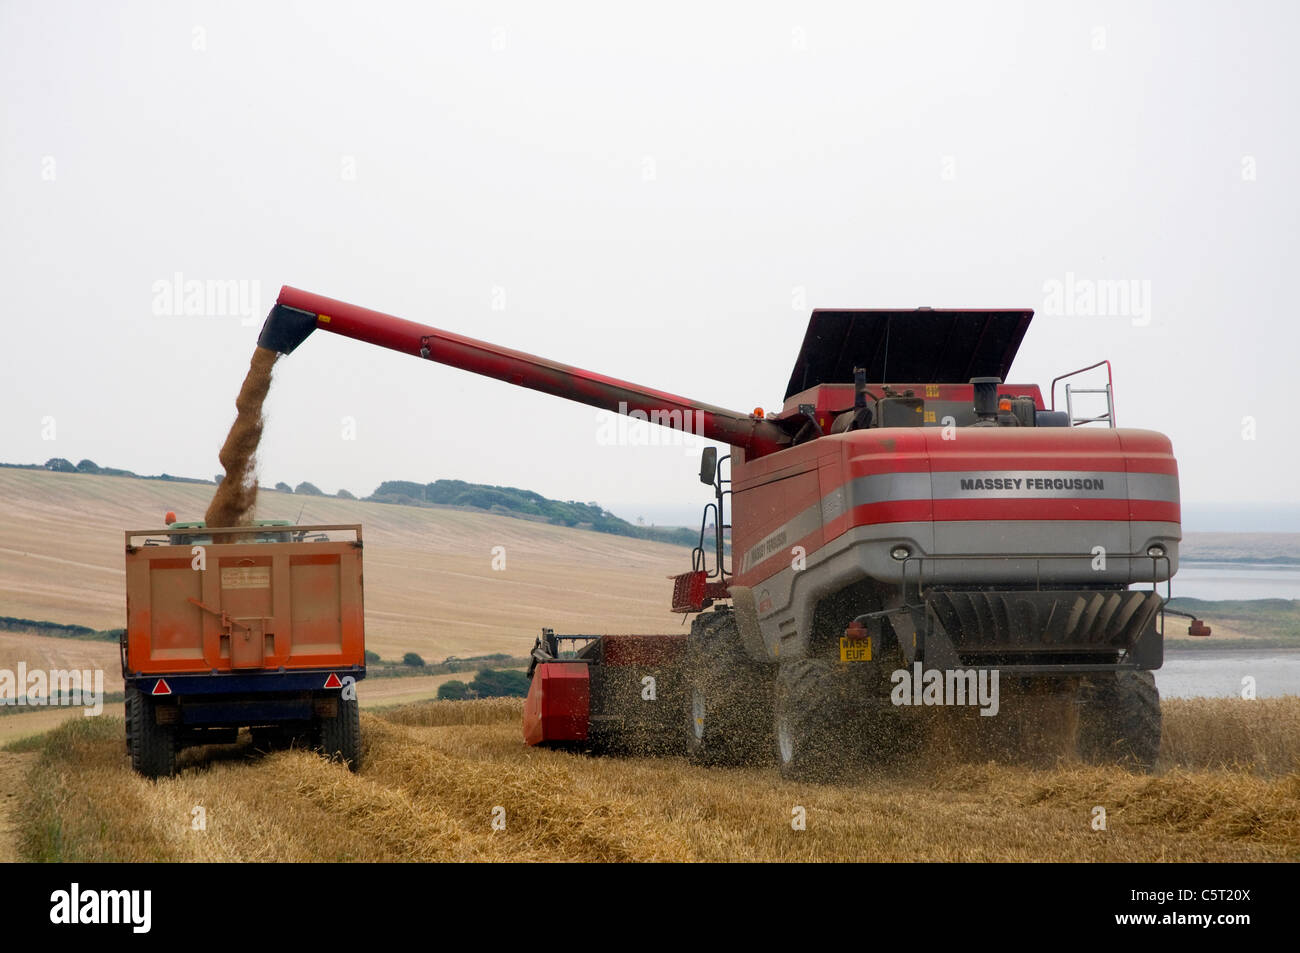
(438, 773)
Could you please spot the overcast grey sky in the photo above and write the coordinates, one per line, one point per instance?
(658, 191)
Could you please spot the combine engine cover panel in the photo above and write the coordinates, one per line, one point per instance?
(921, 345)
(968, 508)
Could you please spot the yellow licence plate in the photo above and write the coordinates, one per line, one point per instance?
(855, 650)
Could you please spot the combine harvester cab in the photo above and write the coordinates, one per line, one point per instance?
(257, 626)
(907, 520)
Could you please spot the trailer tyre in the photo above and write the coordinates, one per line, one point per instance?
(1119, 719)
(152, 746)
(340, 736)
(728, 695)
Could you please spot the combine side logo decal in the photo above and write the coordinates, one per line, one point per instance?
(1032, 483)
(1037, 484)
(778, 541)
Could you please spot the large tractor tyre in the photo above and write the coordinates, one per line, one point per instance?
(1119, 719)
(812, 720)
(153, 746)
(728, 695)
(340, 736)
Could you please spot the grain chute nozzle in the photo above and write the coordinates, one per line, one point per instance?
(285, 328)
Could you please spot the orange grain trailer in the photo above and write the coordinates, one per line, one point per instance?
(258, 627)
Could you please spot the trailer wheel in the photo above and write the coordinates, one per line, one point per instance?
(340, 736)
(728, 695)
(153, 746)
(1119, 719)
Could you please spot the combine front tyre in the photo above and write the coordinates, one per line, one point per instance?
(727, 694)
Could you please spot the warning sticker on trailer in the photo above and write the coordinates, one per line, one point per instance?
(246, 577)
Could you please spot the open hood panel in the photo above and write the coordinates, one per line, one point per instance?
(922, 346)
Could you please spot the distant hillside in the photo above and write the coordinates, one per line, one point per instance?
(60, 465)
(502, 500)
(434, 583)
(513, 501)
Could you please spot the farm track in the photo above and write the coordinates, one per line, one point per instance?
(13, 779)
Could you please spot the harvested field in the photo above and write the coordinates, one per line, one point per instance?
(437, 774)
(423, 592)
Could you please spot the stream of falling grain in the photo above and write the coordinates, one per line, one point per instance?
(236, 496)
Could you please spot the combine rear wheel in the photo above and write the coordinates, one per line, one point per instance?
(811, 720)
(340, 736)
(728, 694)
(152, 746)
(1119, 719)
(832, 719)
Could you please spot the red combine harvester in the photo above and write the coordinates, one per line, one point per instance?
(907, 526)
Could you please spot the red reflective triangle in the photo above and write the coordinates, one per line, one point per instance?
(333, 681)
(162, 688)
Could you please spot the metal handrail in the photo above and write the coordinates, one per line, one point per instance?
(1110, 387)
(1107, 418)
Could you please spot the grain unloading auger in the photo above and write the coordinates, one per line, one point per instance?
(909, 530)
(298, 313)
